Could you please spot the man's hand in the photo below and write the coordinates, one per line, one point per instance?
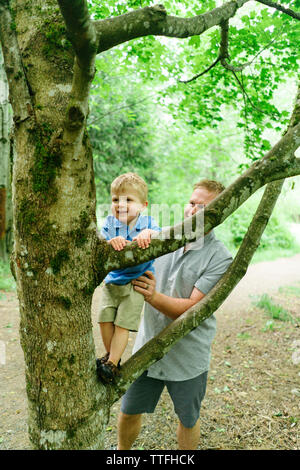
(172, 307)
(143, 239)
(146, 285)
(118, 243)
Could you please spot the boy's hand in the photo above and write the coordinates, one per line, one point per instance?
(118, 243)
(143, 239)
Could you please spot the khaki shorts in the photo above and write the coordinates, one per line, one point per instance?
(121, 305)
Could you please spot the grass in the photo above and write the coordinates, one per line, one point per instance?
(290, 290)
(7, 282)
(274, 253)
(275, 311)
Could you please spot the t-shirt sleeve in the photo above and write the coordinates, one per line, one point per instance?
(217, 266)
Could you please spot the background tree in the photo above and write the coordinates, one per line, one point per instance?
(50, 55)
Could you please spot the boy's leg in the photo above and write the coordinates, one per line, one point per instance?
(129, 427)
(107, 330)
(118, 344)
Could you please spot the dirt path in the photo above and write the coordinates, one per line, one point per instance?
(253, 392)
(261, 278)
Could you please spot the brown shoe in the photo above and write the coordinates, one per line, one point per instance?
(108, 372)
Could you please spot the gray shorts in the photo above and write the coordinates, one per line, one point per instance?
(143, 395)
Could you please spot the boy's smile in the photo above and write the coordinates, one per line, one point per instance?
(127, 205)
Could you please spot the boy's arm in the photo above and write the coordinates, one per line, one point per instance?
(108, 232)
(143, 239)
(118, 243)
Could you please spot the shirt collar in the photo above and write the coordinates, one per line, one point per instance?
(140, 223)
(209, 236)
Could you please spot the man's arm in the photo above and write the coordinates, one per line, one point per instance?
(172, 307)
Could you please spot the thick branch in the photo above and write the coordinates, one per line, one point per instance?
(287, 11)
(154, 21)
(82, 34)
(19, 95)
(156, 348)
(81, 30)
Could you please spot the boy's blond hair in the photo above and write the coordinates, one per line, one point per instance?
(211, 185)
(132, 180)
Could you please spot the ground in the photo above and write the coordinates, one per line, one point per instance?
(253, 391)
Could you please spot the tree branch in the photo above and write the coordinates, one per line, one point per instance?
(155, 21)
(281, 8)
(19, 94)
(156, 348)
(202, 73)
(224, 54)
(82, 34)
(81, 30)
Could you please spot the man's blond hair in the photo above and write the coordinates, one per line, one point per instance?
(211, 185)
(130, 180)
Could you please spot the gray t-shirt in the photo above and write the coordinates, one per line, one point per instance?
(177, 274)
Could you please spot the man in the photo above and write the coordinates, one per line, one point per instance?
(182, 279)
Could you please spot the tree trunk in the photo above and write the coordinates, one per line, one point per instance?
(54, 214)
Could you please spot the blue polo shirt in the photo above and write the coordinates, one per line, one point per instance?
(114, 228)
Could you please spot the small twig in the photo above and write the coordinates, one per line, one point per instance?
(121, 107)
(223, 55)
(248, 328)
(202, 73)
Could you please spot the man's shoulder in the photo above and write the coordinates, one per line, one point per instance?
(220, 250)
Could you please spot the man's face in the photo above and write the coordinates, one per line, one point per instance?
(127, 205)
(200, 198)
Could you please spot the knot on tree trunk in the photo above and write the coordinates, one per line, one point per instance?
(75, 117)
(159, 11)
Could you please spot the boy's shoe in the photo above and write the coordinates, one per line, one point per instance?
(102, 359)
(108, 372)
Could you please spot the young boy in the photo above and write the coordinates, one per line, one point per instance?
(120, 304)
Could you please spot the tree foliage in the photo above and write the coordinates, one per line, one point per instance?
(119, 125)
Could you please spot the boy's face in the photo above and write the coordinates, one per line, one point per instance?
(127, 205)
